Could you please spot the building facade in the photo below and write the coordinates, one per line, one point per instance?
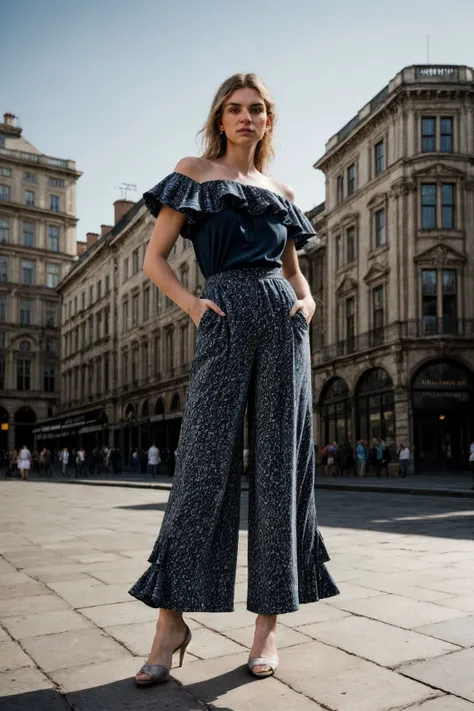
(37, 246)
(126, 347)
(393, 337)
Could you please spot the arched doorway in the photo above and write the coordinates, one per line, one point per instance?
(336, 413)
(25, 420)
(442, 399)
(375, 407)
(3, 429)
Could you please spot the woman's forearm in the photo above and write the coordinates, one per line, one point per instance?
(161, 274)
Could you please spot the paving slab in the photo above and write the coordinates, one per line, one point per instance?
(222, 621)
(312, 612)
(72, 649)
(452, 673)
(30, 605)
(20, 682)
(400, 611)
(15, 579)
(93, 594)
(226, 684)
(122, 613)
(47, 623)
(29, 589)
(13, 657)
(459, 631)
(443, 703)
(207, 644)
(383, 644)
(343, 682)
(464, 603)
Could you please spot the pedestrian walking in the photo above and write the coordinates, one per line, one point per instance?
(471, 461)
(153, 460)
(12, 468)
(382, 458)
(404, 459)
(47, 463)
(24, 462)
(362, 456)
(81, 463)
(252, 349)
(64, 459)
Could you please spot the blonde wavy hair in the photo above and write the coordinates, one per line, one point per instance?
(215, 143)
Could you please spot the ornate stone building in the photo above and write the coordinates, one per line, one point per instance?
(37, 245)
(393, 339)
(126, 348)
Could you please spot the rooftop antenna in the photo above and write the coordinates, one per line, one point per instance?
(427, 49)
(123, 187)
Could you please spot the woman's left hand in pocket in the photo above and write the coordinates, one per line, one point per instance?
(306, 305)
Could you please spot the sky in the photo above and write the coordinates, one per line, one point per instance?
(124, 87)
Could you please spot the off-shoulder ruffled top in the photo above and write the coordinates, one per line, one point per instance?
(231, 224)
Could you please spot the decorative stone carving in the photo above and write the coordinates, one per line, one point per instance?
(440, 255)
(375, 272)
(377, 199)
(438, 170)
(346, 286)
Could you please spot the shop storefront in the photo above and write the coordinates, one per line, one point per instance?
(442, 405)
(374, 407)
(336, 413)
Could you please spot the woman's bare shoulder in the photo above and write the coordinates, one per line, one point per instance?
(193, 167)
(283, 189)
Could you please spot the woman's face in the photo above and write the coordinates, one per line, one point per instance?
(244, 117)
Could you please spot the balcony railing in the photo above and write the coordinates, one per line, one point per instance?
(430, 71)
(426, 328)
(35, 158)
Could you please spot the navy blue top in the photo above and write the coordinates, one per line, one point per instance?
(231, 224)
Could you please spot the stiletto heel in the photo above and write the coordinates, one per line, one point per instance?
(159, 673)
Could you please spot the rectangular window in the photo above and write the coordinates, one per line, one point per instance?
(91, 295)
(339, 252)
(351, 246)
(146, 303)
(83, 300)
(3, 269)
(5, 192)
(378, 307)
(428, 206)
(98, 325)
(125, 269)
(125, 368)
(447, 206)
(106, 372)
(30, 198)
(26, 312)
(107, 283)
(51, 345)
(2, 339)
(99, 289)
(53, 238)
(428, 135)
(156, 354)
(429, 300)
(135, 261)
(124, 316)
(379, 157)
(350, 324)
(53, 275)
(30, 177)
(49, 377)
(54, 203)
(56, 183)
(340, 188)
(2, 372)
(106, 320)
(351, 179)
(380, 233)
(446, 134)
(7, 172)
(83, 335)
(134, 365)
(91, 328)
(27, 272)
(3, 308)
(135, 310)
(28, 234)
(449, 301)
(23, 375)
(4, 231)
(51, 314)
(185, 276)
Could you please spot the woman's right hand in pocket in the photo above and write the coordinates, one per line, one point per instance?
(200, 306)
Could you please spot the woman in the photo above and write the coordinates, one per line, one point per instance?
(252, 346)
(24, 462)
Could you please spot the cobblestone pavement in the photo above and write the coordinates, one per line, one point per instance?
(400, 635)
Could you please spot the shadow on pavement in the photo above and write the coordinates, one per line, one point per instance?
(124, 695)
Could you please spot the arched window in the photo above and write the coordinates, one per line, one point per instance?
(335, 410)
(145, 409)
(159, 407)
(175, 403)
(375, 409)
(25, 346)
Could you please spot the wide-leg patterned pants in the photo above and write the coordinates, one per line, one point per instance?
(255, 354)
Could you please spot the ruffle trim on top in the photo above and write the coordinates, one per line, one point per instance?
(195, 200)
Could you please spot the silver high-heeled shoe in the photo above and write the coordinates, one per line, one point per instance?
(159, 673)
(271, 662)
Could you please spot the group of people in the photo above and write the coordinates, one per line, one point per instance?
(336, 460)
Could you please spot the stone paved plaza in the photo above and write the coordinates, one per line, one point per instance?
(400, 635)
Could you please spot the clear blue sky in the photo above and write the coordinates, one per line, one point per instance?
(123, 87)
